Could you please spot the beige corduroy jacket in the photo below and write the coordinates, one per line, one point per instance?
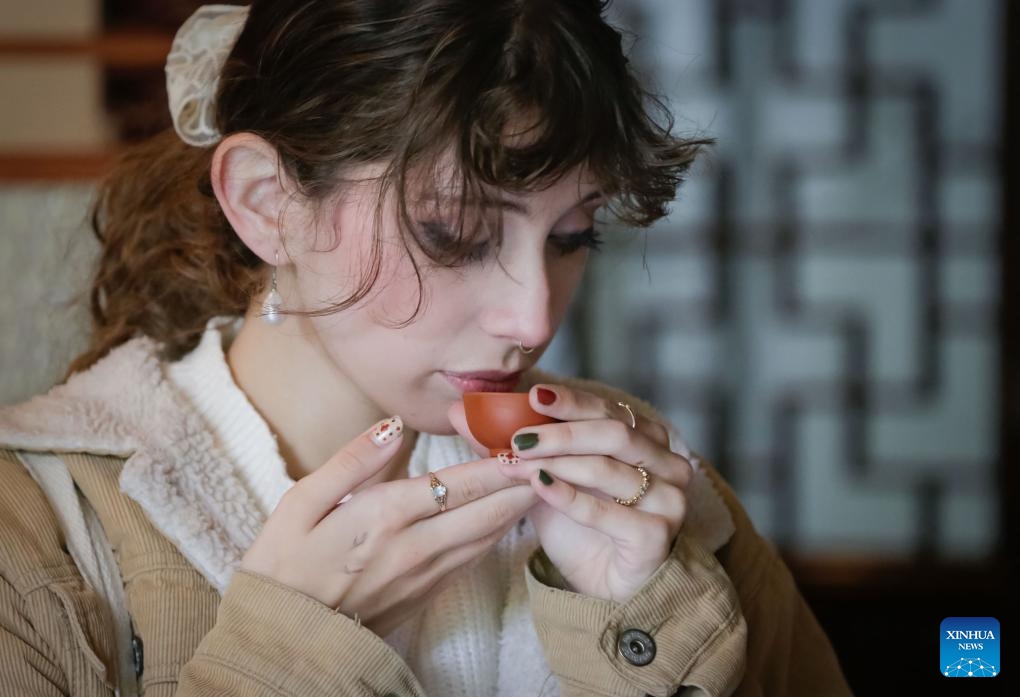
(729, 622)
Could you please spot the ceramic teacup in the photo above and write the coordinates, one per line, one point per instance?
(494, 417)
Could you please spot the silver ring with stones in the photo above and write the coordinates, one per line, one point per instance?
(438, 491)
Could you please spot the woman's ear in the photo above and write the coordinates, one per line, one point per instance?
(246, 180)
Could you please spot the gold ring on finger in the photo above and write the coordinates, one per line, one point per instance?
(438, 491)
(633, 421)
(645, 481)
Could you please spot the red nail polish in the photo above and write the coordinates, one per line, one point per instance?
(546, 396)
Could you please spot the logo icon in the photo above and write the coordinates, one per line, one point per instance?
(970, 647)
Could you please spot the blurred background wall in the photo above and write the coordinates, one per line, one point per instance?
(823, 313)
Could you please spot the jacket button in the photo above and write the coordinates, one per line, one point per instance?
(138, 654)
(637, 647)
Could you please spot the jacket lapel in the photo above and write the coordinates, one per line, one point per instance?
(170, 604)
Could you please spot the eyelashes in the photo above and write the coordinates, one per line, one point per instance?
(442, 240)
(567, 244)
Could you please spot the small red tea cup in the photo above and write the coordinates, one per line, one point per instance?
(494, 417)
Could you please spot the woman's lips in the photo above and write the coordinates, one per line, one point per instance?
(470, 384)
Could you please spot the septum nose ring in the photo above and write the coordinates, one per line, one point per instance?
(523, 348)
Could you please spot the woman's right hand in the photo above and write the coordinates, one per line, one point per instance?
(381, 553)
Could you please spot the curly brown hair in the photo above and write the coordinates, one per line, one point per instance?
(332, 84)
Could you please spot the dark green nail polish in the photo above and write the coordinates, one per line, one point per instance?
(544, 477)
(523, 441)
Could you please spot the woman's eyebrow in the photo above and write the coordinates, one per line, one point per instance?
(506, 204)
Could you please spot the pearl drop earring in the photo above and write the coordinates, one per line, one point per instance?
(271, 305)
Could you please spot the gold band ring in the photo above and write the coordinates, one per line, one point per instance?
(645, 479)
(438, 491)
(633, 421)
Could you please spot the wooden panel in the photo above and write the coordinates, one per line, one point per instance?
(119, 49)
(55, 167)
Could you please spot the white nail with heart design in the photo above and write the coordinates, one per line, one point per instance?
(506, 458)
(387, 430)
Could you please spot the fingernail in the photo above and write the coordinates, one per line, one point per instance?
(544, 477)
(387, 430)
(507, 458)
(546, 396)
(523, 441)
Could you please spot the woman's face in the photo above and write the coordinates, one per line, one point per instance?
(472, 316)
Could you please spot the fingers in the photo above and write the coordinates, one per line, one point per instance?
(446, 563)
(568, 404)
(317, 494)
(477, 518)
(479, 494)
(610, 438)
(433, 578)
(602, 474)
(397, 504)
(427, 540)
(465, 483)
(629, 527)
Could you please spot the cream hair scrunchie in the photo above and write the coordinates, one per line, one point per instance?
(193, 68)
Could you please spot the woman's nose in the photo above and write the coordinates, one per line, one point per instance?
(520, 307)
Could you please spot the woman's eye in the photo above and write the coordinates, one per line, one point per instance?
(440, 237)
(567, 244)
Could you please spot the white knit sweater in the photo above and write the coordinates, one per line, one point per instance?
(206, 469)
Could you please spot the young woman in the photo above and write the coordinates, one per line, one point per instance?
(258, 479)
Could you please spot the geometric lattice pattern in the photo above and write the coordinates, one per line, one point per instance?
(817, 314)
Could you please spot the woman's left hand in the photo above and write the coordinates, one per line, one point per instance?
(602, 548)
